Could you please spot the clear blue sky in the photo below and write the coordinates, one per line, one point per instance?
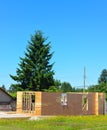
(77, 30)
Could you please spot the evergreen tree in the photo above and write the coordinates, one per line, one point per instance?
(103, 77)
(35, 72)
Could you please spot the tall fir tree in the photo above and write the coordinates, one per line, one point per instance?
(35, 71)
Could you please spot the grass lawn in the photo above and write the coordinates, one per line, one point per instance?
(57, 123)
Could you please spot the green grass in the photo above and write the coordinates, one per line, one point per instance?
(56, 123)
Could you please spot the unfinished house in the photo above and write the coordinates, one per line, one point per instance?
(45, 103)
(7, 103)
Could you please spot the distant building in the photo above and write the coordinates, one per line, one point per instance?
(7, 103)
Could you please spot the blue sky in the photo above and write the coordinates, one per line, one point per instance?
(77, 30)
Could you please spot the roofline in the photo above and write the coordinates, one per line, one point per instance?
(6, 92)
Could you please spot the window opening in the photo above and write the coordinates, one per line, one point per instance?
(64, 99)
(84, 103)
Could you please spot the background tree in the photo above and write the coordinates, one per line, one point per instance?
(57, 83)
(55, 88)
(93, 88)
(35, 72)
(66, 87)
(102, 83)
(77, 89)
(103, 77)
(3, 87)
(52, 89)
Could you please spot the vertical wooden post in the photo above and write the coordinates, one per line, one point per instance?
(38, 103)
(96, 104)
(19, 102)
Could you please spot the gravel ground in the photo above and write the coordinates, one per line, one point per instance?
(15, 115)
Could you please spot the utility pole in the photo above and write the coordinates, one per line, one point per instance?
(84, 79)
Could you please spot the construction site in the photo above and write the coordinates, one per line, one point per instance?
(56, 103)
